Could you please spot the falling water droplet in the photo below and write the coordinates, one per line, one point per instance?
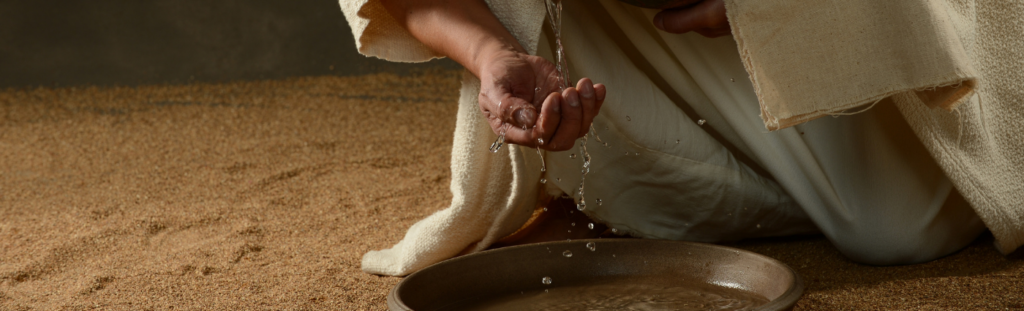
(582, 205)
(543, 167)
(598, 201)
(536, 90)
(558, 179)
(759, 226)
(677, 141)
(543, 180)
(636, 153)
(573, 224)
(615, 231)
(572, 155)
(545, 209)
(732, 79)
(567, 253)
(628, 119)
(546, 280)
(606, 144)
(590, 226)
(591, 246)
(496, 145)
(701, 122)
(500, 141)
(570, 231)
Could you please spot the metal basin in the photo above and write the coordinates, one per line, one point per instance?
(617, 274)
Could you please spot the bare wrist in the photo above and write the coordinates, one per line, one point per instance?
(488, 53)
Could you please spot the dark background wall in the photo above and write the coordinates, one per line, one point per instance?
(131, 42)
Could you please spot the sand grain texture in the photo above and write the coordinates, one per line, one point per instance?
(264, 196)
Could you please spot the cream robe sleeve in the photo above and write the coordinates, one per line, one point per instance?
(806, 59)
(493, 194)
(953, 67)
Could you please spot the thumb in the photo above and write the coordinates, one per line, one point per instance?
(511, 110)
(521, 113)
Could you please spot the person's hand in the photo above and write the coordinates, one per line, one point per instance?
(516, 89)
(521, 91)
(706, 17)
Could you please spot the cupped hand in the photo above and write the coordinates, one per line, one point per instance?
(706, 17)
(520, 94)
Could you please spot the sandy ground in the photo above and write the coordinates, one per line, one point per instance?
(264, 196)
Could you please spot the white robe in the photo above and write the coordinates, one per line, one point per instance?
(853, 176)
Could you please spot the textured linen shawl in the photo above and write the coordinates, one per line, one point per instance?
(953, 68)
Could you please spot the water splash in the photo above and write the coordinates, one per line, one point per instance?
(543, 167)
(554, 8)
(498, 143)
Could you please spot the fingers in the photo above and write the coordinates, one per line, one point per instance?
(570, 122)
(550, 117)
(707, 17)
(561, 119)
(588, 101)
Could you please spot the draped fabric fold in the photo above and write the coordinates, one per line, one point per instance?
(493, 195)
(811, 58)
(952, 67)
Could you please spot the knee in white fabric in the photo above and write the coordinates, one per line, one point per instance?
(910, 237)
(887, 248)
(888, 244)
